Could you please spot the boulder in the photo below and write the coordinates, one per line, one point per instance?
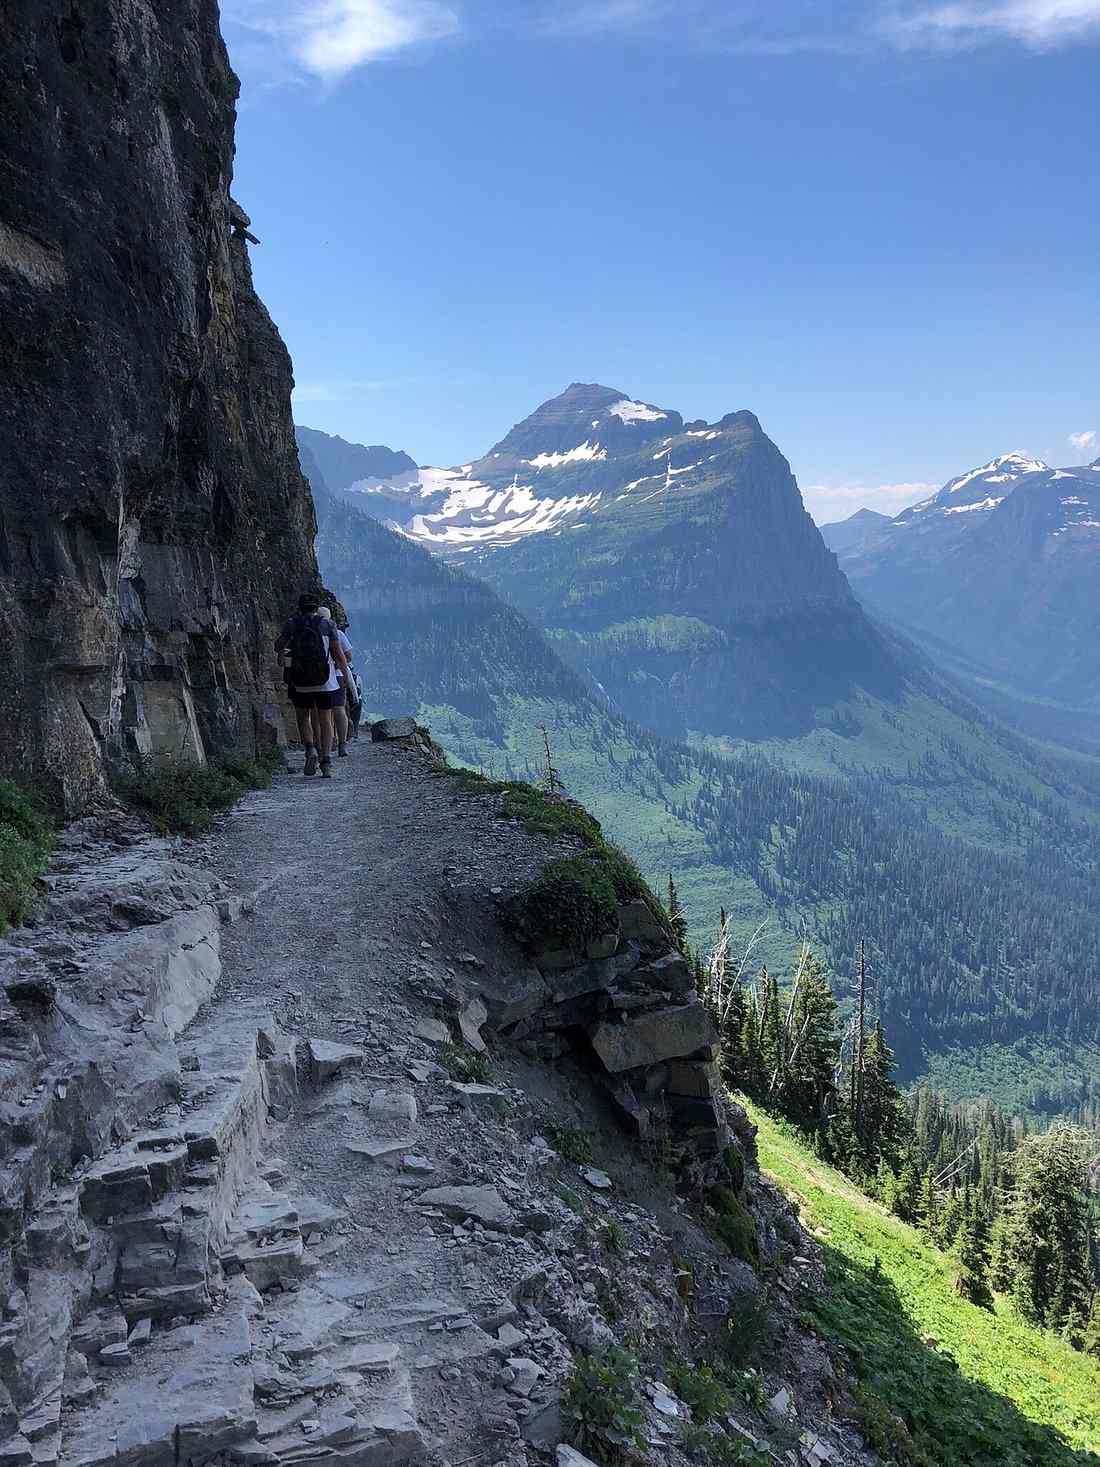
(637, 923)
(485, 1100)
(514, 999)
(604, 946)
(669, 972)
(591, 977)
(393, 1107)
(649, 1038)
(433, 1031)
(483, 1204)
(388, 729)
(692, 1077)
(327, 1058)
(470, 1019)
(570, 1457)
(542, 1426)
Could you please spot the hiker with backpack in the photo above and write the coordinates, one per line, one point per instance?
(340, 720)
(316, 662)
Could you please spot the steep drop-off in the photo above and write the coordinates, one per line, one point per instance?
(153, 518)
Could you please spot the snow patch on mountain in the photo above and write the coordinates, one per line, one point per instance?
(978, 504)
(998, 471)
(584, 452)
(636, 412)
(476, 515)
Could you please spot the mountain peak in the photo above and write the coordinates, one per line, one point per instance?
(980, 488)
(585, 413)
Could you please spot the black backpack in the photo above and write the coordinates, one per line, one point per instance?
(309, 664)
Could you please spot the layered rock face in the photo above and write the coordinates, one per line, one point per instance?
(154, 522)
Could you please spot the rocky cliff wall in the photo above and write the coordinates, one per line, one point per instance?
(154, 521)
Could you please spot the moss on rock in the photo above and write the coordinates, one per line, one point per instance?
(734, 1225)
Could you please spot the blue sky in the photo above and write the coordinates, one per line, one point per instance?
(875, 224)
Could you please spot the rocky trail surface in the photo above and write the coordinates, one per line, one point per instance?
(250, 1213)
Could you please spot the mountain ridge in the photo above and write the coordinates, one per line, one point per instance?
(1002, 565)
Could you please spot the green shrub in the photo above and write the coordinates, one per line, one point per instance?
(185, 798)
(748, 1327)
(699, 1387)
(614, 1236)
(573, 1142)
(549, 815)
(706, 1444)
(466, 1065)
(884, 1430)
(569, 904)
(26, 839)
(572, 1199)
(602, 1406)
(734, 1224)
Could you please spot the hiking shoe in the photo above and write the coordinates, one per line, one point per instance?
(343, 751)
(311, 762)
(326, 768)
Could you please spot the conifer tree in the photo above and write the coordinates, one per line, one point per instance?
(1090, 1339)
(882, 1122)
(677, 918)
(1047, 1240)
(972, 1253)
(905, 1202)
(929, 1201)
(771, 1036)
(1001, 1262)
(950, 1222)
(808, 1082)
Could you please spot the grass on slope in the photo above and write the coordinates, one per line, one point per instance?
(25, 842)
(991, 1392)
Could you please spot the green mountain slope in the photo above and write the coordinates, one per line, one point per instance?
(948, 1384)
(983, 933)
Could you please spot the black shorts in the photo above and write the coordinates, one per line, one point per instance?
(323, 701)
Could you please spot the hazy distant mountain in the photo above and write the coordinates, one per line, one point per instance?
(355, 469)
(857, 528)
(1003, 567)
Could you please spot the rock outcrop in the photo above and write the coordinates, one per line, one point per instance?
(154, 522)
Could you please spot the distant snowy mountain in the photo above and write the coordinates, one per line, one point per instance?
(355, 469)
(1002, 565)
(672, 561)
(857, 528)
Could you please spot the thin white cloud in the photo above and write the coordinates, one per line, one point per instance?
(330, 38)
(792, 26)
(1084, 442)
(828, 502)
(1041, 25)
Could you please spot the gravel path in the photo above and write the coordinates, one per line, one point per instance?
(373, 894)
